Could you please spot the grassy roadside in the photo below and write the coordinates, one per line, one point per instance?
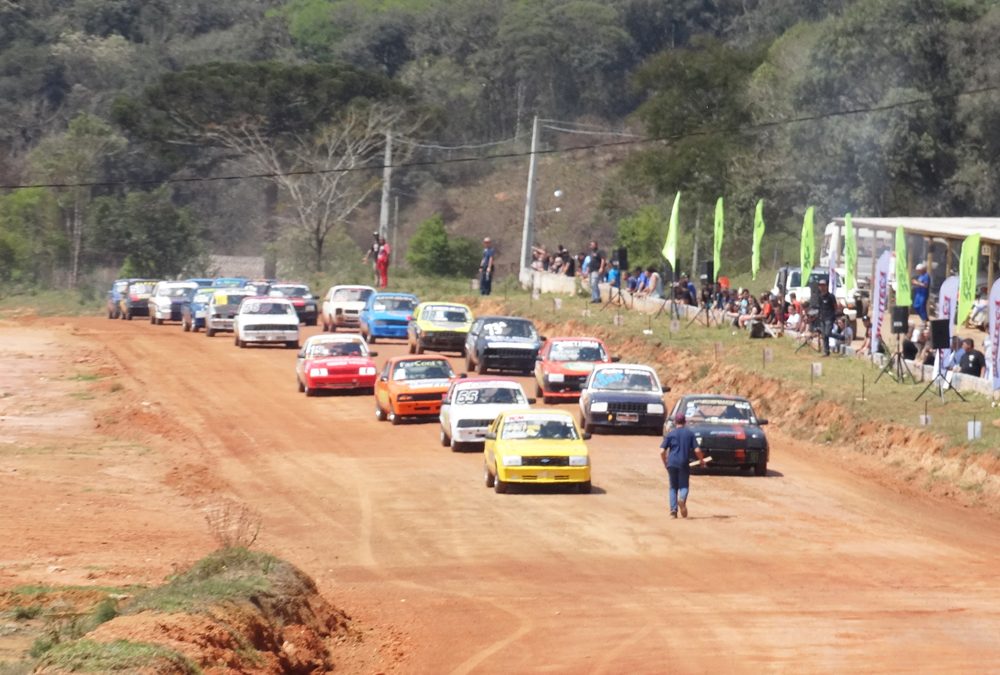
(79, 302)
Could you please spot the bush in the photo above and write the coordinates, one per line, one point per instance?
(433, 252)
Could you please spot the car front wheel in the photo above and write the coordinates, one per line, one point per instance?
(500, 486)
(379, 413)
(445, 440)
(487, 476)
(584, 488)
(760, 468)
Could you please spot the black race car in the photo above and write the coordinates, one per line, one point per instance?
(627, 395)
(728, 430)
(502, 343)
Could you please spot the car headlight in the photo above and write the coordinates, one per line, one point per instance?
(405, 397)
(557, 377)
(512, 460)
(318, 372)
(654, 408)
(578, 460)
(599, 406)
(366, 370)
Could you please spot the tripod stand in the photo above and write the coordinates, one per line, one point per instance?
(896, 365)
(706, 310)
(615, 295)
(942, 382)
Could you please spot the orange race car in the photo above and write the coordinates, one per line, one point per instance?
(564, 364)
(412, 386)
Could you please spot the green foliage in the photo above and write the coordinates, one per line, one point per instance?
(63, 632)
(21, 613)
(89, 656)
(643, 235)
(434, 252)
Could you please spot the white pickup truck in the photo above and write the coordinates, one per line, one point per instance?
(803, 292)
(266, 320)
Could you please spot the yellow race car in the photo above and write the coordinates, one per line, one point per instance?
(438, 326)
(536, 446)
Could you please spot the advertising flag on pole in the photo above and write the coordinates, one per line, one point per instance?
(903, 298)
(968, 274)
(670, 245)
(880, 298)
(850, 254)
(833, 255)
(720, 226)
(994, 309)
(758, 237)
(807, 252)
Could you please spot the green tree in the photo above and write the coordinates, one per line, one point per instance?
(434, 252)
(70, 158)
(32, 242)
(643, 234)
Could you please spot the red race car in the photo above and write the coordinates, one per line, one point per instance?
(335, 362)
(564, 364)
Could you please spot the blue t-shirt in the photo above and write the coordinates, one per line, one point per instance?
(680, 444)
(487, 257)
(920, 292)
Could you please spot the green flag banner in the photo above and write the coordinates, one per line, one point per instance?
(670, 245)
(850, 254)
(720, 226)
(807, 251)
(758, 237)
(968, 274)
(902, 271)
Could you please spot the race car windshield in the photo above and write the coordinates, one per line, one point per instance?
(715, 411)
(336, 349)
(178, 292)
(275, 308)
(290, 291)
(389, 304)
(490, 396)
(422, 370)
(140, 288)
(521, 329)
(577, 351)
(351, 294)
(445, 314)
(530, 429)
(624, 380)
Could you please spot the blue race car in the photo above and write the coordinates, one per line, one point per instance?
(193, 312)
(202, 283)
(386, 315)
(229, 282)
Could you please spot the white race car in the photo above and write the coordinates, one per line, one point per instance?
(266, 320)
(471, 405)
(168, 300)
(342, 306)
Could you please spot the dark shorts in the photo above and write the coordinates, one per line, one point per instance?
(680, 477)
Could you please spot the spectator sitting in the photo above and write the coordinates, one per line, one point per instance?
(841, 335)
(654, 284)
(954, 359)
(794, 302)
(794, 321)
(978, 316)
(913, 345)
(973, 362)
(754, 312)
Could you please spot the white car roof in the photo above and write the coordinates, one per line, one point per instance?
(476, 384)
(624, 366)
(342, 337)
(352, 286)
(538, 415)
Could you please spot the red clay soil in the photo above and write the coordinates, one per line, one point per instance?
(825, 564)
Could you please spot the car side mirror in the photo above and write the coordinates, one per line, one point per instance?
(761, 423)
(383, 378)
(666, 388)
(615, 359)
(587, 435)
(490, 436)
(532, 400)
(372, 353)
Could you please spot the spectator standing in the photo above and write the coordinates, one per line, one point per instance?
(675, 451)
(828, 308)
(486, 267)
(382, 259)
(973, 362)
(921, 284)
(569, 264)
(371, 255)
(596, 266)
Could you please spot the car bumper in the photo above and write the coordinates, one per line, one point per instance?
(417, 408)
(168, 313)
(138, 310)
(735, 457)
(306, 315)
(345, 319)
(221, 324)
(520, 362)
(270, 336)
(396, 332)
(539, 474)
(469, 434)
(623, 420)
(341, 382)
(448, 341)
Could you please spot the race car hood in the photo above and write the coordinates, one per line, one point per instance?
(251, 320)
(541, 447)
(482, 411)
(506, 342)
(569, 367)
(340, 362)
(422, 385)
(387, 315)
(450, 326)
(712, 435)
(357, 305)
(627, 396)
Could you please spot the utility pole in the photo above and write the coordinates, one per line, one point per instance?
(527, 233)
(395, 231)
(383, 216)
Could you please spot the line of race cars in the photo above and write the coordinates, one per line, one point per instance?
(521, 444)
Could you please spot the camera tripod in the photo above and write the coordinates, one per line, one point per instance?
(615, 296)
(896, 366)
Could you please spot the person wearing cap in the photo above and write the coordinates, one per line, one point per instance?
(486, 267)
(828, 308)
(921, 285)
(678, 445)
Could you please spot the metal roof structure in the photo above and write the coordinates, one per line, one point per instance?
(948, 228)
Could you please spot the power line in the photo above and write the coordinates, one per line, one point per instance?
(747, 128)
(477, 146)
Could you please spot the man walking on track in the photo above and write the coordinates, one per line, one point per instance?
(677, 447)
(486, 268)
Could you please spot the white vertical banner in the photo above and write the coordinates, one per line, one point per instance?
(947, 309)
(880, 300)
(994, 309)
(833, 256)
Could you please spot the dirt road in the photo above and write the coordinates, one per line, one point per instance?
(811, 568)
